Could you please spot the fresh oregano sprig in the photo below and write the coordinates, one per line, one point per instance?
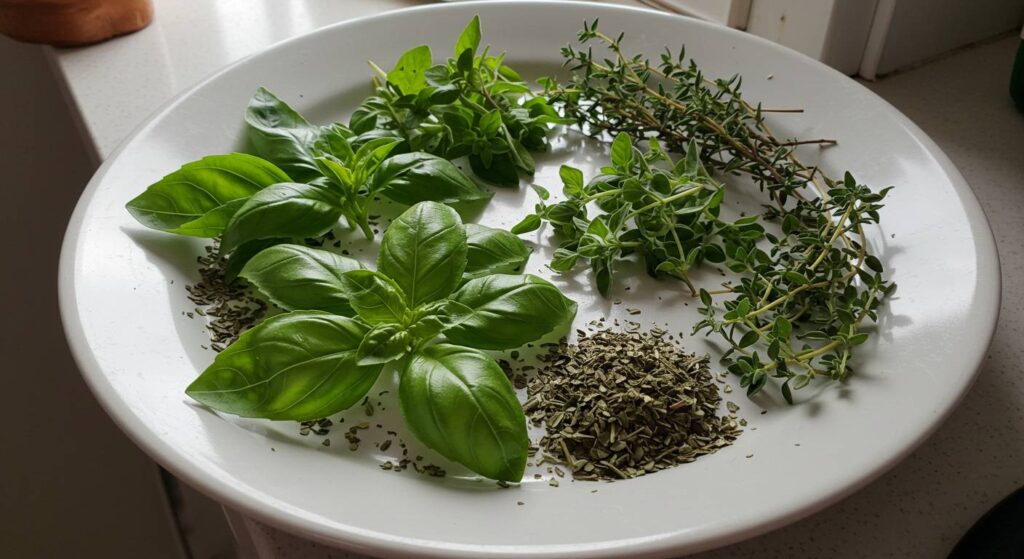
(472, 105)
(670, 216)
(797, 311)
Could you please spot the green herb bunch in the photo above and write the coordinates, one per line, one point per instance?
(667, 215)
(473, 105)
(306, 179)
(797, 311)
(429, 310)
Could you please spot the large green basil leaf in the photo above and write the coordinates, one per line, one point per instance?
(242, 253)
(493, 251)
(424, 251)
(374, 296)
(299, 278)
(199, 198)
(283, 210)
(509, 311)
(417, 177)
(296, 366)
(408, 71)
(458, 402)
(279, 133)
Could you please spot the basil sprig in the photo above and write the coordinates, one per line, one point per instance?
(424, 310)
(306, 178)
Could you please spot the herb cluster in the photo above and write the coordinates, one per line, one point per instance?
(444, 292)
(425, 310)
(473, 105)
(797, 311)
(243, 198)
(667, 215)
(398, 145)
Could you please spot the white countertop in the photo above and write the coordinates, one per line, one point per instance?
(921, 507)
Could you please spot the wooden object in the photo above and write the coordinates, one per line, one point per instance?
(72, 22)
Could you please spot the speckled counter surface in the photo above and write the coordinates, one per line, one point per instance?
(921, 507)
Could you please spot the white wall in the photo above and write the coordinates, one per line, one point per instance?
(921, 29)
(875, 37)
(833, 31)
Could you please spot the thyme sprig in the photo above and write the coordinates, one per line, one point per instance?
(798, 309)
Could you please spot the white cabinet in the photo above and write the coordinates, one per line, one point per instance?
(866, 37)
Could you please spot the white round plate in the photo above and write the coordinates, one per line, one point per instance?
(123, 303)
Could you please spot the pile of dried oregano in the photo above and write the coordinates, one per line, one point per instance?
(622, 404)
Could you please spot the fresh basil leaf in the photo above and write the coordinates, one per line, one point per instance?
(280, 134)
(469, 38)
(295, 366)
(426, 329)
(212, 223)
(424, 252)
(459, 402)
(409, 70)
(335, 140)
(418, 177)
(374, 296)
(501, 170)
(434, 318)
(241, 256)
(384, 343)
(363, 120)
(371, 154)
(299, 278)
(283, 210)
(378, 133)
(509, 311)
(493, 251)
(335, 171)
(199, 198)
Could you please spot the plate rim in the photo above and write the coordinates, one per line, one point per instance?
(357, 539)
